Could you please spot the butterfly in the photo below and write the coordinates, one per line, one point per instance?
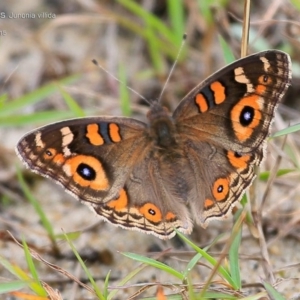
(193, 164)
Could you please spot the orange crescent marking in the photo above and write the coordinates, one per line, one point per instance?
(170, 216)
(59, 159)
(93, 135)
(208, 203)
(219, 92)
(99, 183)
(260, 89)
(221, 195)
(114, 132)
(241, 132)
(155, 217)
(201, 102)
(238, 162)
(120, 203)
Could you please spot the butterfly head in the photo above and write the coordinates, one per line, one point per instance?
(162, 128)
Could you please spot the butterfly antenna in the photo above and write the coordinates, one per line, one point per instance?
(95, 62)
(173, 67)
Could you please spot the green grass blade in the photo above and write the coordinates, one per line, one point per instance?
(227, 52)
(222, 271)
(165, 48)
(86, 270)
(30, 262)
(191, 292)
(272, 292)
(264, 176)
(124, 92)
(19, 273)
(34, 96)
(72, 104)
(71, 235)
(296, 3)
(205, 9)
(176, 16)
(106, 282)
(217, 295)
(44, 220)
(290, 129)
(3, 99)
(154, 263)
(36, 118)
(244, 200)
(128, 277)
(12, 286)
(193, 262)
(35, 286)
(234, 257)
(151, 20)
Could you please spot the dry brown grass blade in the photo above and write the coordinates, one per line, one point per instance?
(52, 293)
(266, 265)
(246, 26)
(225, 251)
(257, 217)
(35, 255)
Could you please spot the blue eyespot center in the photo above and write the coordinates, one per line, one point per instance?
(86, 172)
(246, 115)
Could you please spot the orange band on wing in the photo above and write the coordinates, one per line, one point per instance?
(59, 159)
(238, 162)
(170, 216)
(260, 89)
(208, 203)
(93, 135)
(219, 92)
(114, 132)
(201, 102)
(120, 203)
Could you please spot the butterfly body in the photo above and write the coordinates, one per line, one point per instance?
(192, 164)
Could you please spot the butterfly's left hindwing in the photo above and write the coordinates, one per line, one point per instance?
(146, 202)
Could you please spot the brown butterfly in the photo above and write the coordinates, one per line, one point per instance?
(152, 177)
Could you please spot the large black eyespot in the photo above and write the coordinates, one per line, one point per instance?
(86, 172)
(246, 115)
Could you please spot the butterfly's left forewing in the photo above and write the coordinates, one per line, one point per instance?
(90, 157)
